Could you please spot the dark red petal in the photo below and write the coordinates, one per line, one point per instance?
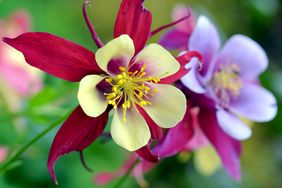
(56, 56)
(78, 132)
(228, 149)
(183, 60)
(156, 131)
(133, 19)
(177, 137)
(146, 154)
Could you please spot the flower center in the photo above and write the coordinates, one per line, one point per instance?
(227, 83)
(130, 88)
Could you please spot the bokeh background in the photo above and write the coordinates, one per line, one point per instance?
(262, 156)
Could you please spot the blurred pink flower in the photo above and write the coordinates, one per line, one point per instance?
(3, 154)
(27, 80)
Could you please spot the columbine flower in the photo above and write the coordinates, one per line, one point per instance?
(128, 85)
(227, 89)
(27, 80)
(121, 75)
(229, 78)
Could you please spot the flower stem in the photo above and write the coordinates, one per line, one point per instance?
(94, 35)
(125, 176)
(14, 157)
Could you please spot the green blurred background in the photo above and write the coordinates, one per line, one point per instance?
(262, 156)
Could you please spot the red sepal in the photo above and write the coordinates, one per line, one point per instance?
(56, 56)
(134, 20)
(77, 132)
(146, 154)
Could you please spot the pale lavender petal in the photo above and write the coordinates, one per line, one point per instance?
(205, 39)
(174, 40)
(228, 149)
(246, 53)
(232, 125)
(255, 103)
(191, 80)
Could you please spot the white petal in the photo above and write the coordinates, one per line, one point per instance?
(168, 106)
(119, 48)
(159, 62)
(91, 100)
(132, 134)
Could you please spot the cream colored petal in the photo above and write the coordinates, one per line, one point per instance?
(119, 48)
(91, 100)
(207, 161)
(159, 62)
(168, 105)
(132, 134)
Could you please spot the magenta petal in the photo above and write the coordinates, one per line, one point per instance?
(146, 154)
(177, 137)
(133, 19)
(174, 40)
(78, 132)
(228, 149)
(56, 56)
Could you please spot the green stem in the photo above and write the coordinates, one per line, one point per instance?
(4, 166)
(125, 176)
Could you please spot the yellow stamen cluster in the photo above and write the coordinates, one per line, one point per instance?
(227, 82)
(130, 88)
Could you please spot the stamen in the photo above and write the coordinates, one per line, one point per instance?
(227, 83)
(130, 88)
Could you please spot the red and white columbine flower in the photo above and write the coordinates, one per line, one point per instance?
(131, 83)
(121, 76)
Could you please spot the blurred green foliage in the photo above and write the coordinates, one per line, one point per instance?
(262, 157)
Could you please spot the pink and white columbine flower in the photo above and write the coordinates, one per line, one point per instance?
(16, 78)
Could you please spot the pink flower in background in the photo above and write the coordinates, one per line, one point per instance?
(176, 38)
(3, 154)
(17, 79)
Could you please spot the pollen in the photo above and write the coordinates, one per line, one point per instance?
(227, 83)
(130, 89)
